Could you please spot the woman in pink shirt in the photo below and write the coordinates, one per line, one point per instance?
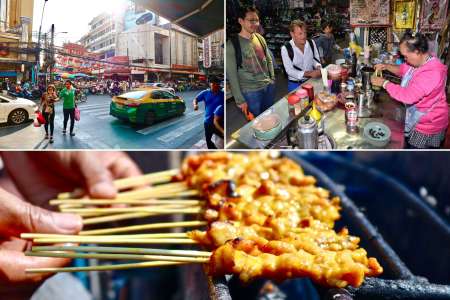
(423, 91)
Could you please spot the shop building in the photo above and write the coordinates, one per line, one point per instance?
(17, 52)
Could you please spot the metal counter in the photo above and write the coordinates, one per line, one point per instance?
(384, 110)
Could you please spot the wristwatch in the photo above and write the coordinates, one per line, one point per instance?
(385, 84)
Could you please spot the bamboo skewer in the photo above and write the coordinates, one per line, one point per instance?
(146, 264)
(151, 178)
(106, 237)
(116, 217)
(120, 256)
(145, 194)
(82, 202)
(106, 211)
(130, 182)
(149, 209)
(98, 240)
(144, 227)
(125, 250)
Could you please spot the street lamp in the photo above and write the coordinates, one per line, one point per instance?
(38, 55)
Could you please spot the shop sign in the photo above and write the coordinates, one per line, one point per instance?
(207, 52)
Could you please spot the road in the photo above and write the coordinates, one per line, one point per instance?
(98, 130)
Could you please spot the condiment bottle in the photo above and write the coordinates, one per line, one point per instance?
(294, 105)
(304, 98)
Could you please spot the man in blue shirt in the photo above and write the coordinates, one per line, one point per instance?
(213, 97)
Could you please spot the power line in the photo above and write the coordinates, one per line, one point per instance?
(98, 60)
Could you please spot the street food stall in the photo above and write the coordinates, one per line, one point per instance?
(347, 112)
(380, 110)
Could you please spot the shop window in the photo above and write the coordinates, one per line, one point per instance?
(160, 46)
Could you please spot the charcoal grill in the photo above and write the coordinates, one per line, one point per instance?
(396, 282)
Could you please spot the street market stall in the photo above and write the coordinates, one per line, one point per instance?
(368, 33)
(335, 133)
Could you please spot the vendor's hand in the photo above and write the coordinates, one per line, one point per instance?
(377, 81)
(381, 67)
(16, 217)
(195, 106)
(40, 176)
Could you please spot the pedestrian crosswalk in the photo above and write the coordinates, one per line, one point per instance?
(182, 131)
(100, 110)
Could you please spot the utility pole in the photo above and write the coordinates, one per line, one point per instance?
(52, 53)
(38, 54)
(170, 51)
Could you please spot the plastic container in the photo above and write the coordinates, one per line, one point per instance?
(304, 98)
(294, 104)
(267, 126)
(377, 134)
(325, 102)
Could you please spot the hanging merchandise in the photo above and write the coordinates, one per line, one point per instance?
(369, 12)
(405, 12)
(433, 14)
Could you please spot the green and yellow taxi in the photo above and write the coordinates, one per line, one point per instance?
(147, 106)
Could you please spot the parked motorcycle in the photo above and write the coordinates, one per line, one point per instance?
(25, 94)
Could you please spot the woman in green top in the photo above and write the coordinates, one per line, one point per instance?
(67, 95)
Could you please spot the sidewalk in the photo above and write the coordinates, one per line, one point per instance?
(24, 136)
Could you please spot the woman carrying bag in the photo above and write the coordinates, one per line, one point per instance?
(48, 100)
(423, 91)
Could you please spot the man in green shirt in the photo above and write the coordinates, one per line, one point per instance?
(67, 95)
(250, 68)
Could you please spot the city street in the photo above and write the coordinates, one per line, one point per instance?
(99, 130)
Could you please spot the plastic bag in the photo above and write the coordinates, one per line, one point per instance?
(77, 114)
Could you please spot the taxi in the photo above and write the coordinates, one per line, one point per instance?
(147, 105)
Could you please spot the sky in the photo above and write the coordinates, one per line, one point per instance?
(71, 16)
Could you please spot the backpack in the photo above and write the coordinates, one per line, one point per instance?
(290, 52)
(238, 51)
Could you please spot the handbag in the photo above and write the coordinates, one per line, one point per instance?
(77, 114)
(40, 118)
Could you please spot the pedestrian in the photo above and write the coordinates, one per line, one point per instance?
(300, 56)
(213, 97)
(48, 100)
(326, 43)
(423, 91)
(250, 67)
(67, 94)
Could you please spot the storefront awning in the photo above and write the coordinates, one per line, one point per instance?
(200, 17)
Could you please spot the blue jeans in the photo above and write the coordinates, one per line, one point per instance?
(260, 100)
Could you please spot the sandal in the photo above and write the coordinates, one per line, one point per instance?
(51, 140)
(46, 136)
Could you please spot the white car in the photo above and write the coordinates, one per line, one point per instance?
(161, 86)
(16, 110)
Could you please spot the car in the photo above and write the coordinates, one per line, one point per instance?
(147, 105)
(16, 111)
(160, 85)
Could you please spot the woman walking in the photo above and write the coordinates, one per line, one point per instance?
(67, 94)
(48, 100)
